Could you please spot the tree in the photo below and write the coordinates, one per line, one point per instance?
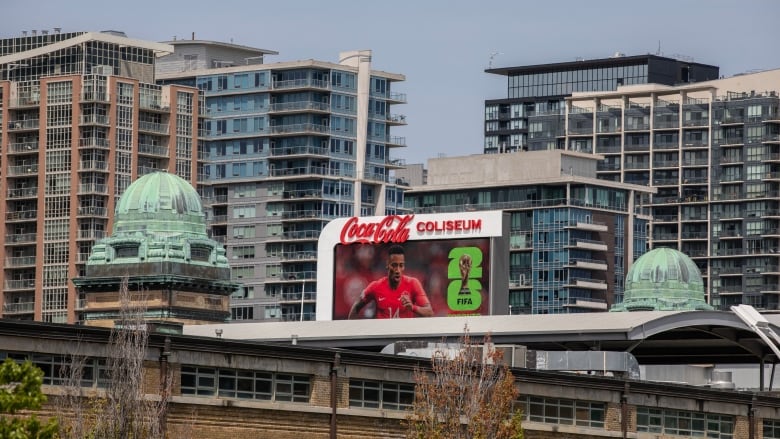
(468, 393)
(124, 411)
(20, 389)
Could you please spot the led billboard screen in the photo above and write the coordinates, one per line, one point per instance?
(448, 266)
(454, 275)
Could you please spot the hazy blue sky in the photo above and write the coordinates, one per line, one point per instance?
(443, 47)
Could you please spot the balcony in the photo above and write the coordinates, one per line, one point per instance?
(20, 238)
(29, 192)
(153, 127)
(94, 119)
(20, 170)
(394, 141)
(23, 147)
(302, 171)
(20, 261)
(297, 297)
(300, 235)
(591, 304)
(93, 211)
(152, 149)
(588, 264)
(396, 119)
(299, 128)
(91, 234)
(23, 125)
(300, 106)
(591, 284)
(93, 142)
(302, 193)
(291, 276)
(301, 83)
(93, 165)
(21, 215)
(93, 188)
(300, 150)
(302, 214)
(18, 308)
(396, 98)
(588, 244)
(299, 256)
(592, 226)
(20, 284)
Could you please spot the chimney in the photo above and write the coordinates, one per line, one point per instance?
(57, 30)
(34, 32)
(24, 33)
(193, 36)
(44, 32)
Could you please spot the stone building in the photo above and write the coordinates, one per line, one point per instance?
(174, 271)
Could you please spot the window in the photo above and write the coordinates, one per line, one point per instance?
(684, 423)
(244, 252)
(242, 272)
(244, 384)
(380, 395)
(771, 429)
(242, 312)
(563, 411)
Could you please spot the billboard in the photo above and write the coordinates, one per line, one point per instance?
(402, 266)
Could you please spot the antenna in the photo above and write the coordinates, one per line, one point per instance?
(658, 52)
(493, 55)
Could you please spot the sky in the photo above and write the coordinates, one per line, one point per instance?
(442, 47)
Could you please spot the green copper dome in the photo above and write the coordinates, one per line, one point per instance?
(663, 279)
(159, 218)
(160, 203)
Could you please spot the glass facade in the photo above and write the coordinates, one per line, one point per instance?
(571, 80)
(562, 251)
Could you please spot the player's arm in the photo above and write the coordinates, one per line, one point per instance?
(421, 306)
(358, 305)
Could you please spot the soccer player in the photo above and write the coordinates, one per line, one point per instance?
(396, 295)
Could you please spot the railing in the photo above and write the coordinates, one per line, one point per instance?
(397, 97)
(297, 214)
(20, 284)
(21, 237)
(90, 119)
(396, 140)
(299, 150)
(23, 124)
(19, 307)
(695, 162)
(93, 142)
(145, 148)
(299, 255)
(92, 234)
(300, 106)
(575, 261)
(296, 275)
(23, 193)
(298, 296)
(300, 234)
(19, 261)
(24, 147)
(21, 215)
(89, 165)
(93, 211)
(153, 127)
(301, 83)
(299, 128)
(93, 187)
(666, 163)
(23, 169)
(295, 317)
(302, 193)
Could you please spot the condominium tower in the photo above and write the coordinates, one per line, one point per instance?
(81, 119)
(572, 236)
(710, 148)
(289, 146)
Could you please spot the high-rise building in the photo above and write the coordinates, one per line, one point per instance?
(81, 119)
(712, 150)
(531, 115)
(290, 146)
(572, 236)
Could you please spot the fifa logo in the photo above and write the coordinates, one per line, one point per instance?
(464, 293)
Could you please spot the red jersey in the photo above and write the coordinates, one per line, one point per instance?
(388, 300)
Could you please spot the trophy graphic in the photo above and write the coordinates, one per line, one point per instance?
(464, 263)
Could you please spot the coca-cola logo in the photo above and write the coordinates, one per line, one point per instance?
(392, 228)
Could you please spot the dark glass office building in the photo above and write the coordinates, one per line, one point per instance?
(531, 116)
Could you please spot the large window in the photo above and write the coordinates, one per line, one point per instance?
(771, 429)
(684, 423)
(563, 411)
(380, 395)
(245, 384)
